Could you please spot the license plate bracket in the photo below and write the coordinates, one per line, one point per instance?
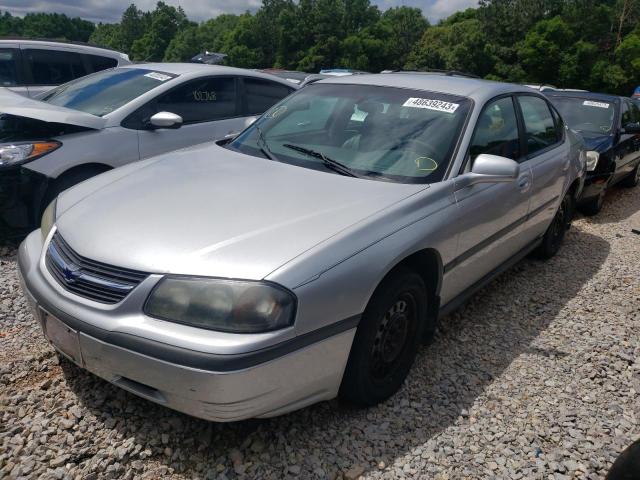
(64, 338)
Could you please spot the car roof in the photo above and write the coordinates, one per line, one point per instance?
(64, 45)
(196, 69)
(475, 88)
(578, 94)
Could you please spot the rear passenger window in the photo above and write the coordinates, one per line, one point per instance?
(54, 67)
(261, 95)
(201, 100)
(497, 131)
(8, 67)
(540, 129)
(98, 63)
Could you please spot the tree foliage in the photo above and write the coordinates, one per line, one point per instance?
(592, 44)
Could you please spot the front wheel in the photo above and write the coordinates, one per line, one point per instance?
(593, 206)
(387, 340)
(554, 235)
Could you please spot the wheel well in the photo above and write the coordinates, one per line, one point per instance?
(428, 264)
(66, 180)
(89, 168)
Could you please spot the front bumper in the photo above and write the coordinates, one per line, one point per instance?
(265, 382)
(594, 184)
(21, 194)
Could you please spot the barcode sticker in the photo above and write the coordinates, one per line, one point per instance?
(157, 76)
(431, 104)
(590, 103)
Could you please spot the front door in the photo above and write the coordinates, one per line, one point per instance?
(209, 108)
(491, 216)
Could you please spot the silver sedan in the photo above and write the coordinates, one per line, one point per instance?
(308, 257)
(115, 117)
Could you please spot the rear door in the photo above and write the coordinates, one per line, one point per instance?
(210, 109)
(548, 156)
(491, 215)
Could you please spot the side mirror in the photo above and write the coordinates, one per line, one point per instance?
(489, 169)
(631, 128)
(166, 120)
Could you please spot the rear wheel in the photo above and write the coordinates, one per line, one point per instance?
(633, 179)
(387, 339)
(554, 235)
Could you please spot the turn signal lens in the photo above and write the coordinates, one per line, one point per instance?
(18, 153)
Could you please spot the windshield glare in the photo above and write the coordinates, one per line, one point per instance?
(379, 132)
(106, 91)
(586, 115)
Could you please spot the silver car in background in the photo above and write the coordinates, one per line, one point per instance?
(31, 67)
(115, 117)
(308, 257)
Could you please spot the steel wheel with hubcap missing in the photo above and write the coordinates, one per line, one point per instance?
(387, 339)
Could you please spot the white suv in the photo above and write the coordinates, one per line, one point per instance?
(31, 67)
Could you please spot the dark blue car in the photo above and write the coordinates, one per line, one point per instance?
(610, 127)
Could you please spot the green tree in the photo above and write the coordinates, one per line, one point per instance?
(166, 22)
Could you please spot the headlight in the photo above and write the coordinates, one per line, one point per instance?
(592, 160)
(225, 305)
(48, 219)
(23, 152)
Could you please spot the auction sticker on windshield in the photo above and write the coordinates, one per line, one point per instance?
(431, 104)
(589, 103)
(158, 76)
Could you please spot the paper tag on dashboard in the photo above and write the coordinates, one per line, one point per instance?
(590, 103)
(431, 104)
(157, 76)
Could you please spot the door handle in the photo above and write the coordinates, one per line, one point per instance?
(524, 183)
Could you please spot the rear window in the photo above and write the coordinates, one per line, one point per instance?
(8, 67)
(53, 67)
(261, 95)
(106, 91)
(98, 63)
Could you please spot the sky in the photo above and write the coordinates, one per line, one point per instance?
(198, 10)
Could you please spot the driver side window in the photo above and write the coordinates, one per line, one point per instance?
(497, 131)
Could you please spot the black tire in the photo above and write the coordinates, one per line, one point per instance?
(387, 339)
(554, 236)
(633, 179)
(593, 206)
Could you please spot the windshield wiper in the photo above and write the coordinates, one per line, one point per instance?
(264, 146)
(328, 162)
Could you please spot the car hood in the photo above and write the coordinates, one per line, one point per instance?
(598, 143)
(209, 211)
(16, 104)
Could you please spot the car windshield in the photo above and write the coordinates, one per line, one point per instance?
(586, 115)
(384, 133)
(106, 91)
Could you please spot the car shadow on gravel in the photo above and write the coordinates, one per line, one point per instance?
(619, 204)
(476, 344)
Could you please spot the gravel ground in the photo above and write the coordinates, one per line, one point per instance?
(536, 377)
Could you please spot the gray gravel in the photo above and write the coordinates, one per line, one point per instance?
(537, 377)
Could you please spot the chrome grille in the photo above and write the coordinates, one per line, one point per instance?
(87, 278)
